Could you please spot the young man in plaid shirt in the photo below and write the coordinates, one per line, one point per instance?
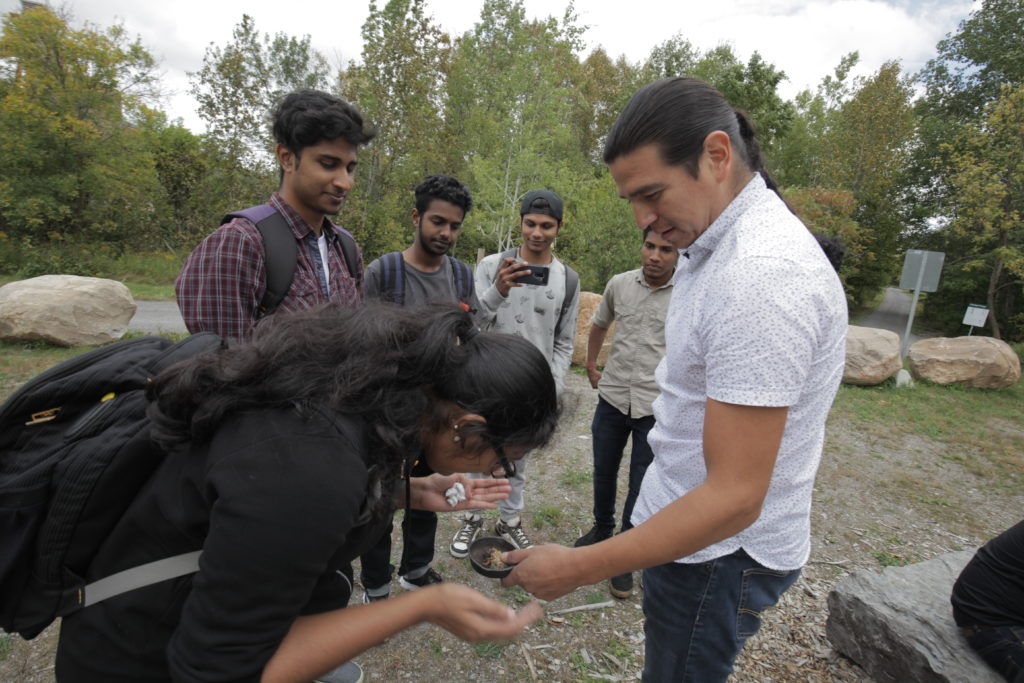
(222, 284)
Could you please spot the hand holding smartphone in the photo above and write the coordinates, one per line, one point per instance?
(533, 275)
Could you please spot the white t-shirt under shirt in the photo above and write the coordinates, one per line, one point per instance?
(761, 322)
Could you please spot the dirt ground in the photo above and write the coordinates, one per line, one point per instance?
(879, 499)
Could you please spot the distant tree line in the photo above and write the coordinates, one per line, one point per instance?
(885, 162)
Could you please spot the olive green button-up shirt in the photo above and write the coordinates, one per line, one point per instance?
(639, 342)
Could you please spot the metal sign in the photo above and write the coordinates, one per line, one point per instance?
(921, 270)
(976, 315)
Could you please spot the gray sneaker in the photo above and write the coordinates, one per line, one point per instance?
(465, 536)
(513, 534)
(349, 672)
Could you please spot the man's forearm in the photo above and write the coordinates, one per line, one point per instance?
(595, 340)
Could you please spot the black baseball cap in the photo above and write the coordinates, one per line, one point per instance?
(542, 201)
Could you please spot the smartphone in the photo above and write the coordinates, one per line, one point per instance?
(534, 275)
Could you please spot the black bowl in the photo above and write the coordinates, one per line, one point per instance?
(479, 551)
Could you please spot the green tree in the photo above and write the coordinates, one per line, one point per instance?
(510, 93)
(404, 60)
(239, 84)
(988, 179)
(75, 161)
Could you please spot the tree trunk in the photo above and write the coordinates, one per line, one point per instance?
(993, 281)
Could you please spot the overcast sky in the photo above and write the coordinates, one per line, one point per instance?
(805, 39)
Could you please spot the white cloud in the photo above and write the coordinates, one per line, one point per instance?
(806, 39)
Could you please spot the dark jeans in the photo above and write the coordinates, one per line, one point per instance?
(418, 544)
(1002, 648)
(417, 551)
(610, 429)
(698, 616)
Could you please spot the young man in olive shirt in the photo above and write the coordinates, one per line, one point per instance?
(637, 302)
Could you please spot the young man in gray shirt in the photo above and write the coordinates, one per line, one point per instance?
(424, 272)
(545, 314)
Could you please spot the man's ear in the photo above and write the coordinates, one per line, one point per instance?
(718, 156)
(415, 218)
(285, 157)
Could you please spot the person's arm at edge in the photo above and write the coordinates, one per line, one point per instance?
(227, 262)
(487, 289)
(600, 322)
(316, 644)
(740, 447)
(595, 340)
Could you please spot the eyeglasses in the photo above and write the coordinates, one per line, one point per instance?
(506, 464)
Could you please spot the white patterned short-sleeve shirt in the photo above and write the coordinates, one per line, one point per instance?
(761, 322)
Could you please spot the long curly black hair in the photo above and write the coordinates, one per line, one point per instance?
(392, 365)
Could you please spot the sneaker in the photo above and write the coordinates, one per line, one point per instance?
(428, 578)
(367, 598)
(349, 672)
(621, 586)
(465, 536)
(595, 535)
(513, 534)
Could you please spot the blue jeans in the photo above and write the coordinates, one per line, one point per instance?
(1002, 648)
(698, 616)
(610, 429)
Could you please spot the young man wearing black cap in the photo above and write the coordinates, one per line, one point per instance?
(545, 314)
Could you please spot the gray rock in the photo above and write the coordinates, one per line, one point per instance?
(898, 624)
(68, 310)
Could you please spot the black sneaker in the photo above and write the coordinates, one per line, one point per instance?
(595, 535)
(428, 578)
(465, 536)
(621, 586)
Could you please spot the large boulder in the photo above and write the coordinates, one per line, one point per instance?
(980, 362)
(588, 304)
(68, 310)
(898, 624)
(872, 355)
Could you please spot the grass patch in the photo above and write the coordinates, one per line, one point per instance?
(547, 515)
(577, 479)
(980, 429)
(488, 650)
(888, 559)
(148, 292)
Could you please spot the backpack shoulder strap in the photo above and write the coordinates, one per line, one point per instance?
(393, 272)
(463, 277)
(350, 251)
(572, 285)
(279, 253)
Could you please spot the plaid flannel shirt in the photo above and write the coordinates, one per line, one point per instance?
(223, 281)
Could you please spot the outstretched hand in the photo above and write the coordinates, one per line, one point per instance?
(545, 571)
(474, 617)
(428, 493)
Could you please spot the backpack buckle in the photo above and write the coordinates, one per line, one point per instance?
(43, 416)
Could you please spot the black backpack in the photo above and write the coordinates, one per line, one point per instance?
(74, 449)
(280, 253)
(394, 276)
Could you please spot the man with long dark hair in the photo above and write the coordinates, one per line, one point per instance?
(223, 285)
(756, 343)
(422, 273)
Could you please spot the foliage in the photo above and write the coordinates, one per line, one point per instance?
(396, 86)
(239, 84)
(74, 163)
(988, 176)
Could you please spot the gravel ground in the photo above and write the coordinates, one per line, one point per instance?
(879, 499)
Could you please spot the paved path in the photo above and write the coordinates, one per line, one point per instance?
(892, 314)
(154, 317)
